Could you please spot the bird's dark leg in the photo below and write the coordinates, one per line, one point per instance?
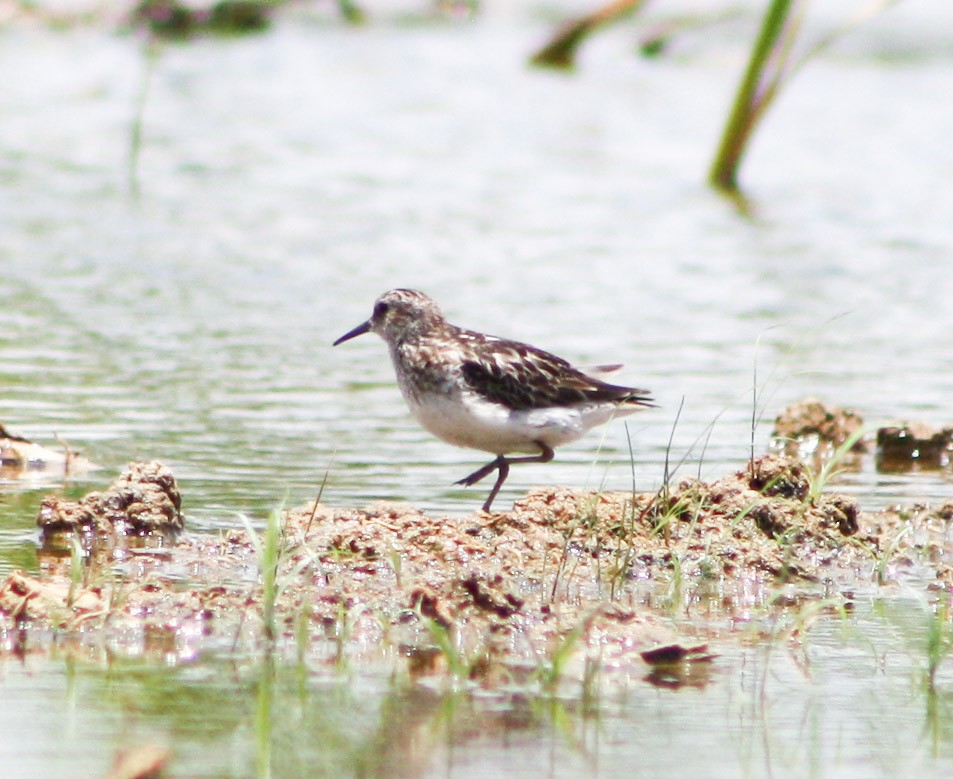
(486, 470)
(502, 464)
(504, 472)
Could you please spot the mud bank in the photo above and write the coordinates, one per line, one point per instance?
(566, 579)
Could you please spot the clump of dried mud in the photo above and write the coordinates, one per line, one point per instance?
(143, 500)
(813, 430)
(906, 446)
(811, 427)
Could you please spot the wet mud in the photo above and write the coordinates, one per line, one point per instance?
(564, 582)
(810, 426)
(144, 500)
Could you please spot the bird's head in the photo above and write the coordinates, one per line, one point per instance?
(399, 315)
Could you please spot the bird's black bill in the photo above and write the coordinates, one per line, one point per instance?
(359, 330)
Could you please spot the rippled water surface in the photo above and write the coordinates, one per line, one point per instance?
(182, 309)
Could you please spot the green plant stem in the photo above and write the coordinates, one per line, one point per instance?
(751, 99)
(269, 572)
(77, 569)
(263, 717)
(150, 56)
(268, 551)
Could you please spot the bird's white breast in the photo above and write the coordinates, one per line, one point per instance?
(464, 419)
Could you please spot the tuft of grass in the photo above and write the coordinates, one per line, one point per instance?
(551, 670)
(623, 553)
(676, 587)
(661, 512)
(269, 547)
(268, 552)
(458, 664)
(589, 696)
(881, 557)
(833, 466)
(588, 519)
(884, 558)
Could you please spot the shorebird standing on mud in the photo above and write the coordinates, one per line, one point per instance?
(488, 393)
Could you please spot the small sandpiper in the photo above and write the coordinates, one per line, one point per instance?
(488, 393)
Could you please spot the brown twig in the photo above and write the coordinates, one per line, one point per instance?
(560, 52)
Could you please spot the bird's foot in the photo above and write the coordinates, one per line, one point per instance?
(482, 473)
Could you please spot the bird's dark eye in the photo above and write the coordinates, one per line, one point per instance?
(380, 309)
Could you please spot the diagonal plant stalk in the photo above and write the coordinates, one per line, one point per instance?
(317, 500)
(758, 87)
(560, 52)
(770, 66)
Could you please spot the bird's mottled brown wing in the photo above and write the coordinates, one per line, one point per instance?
(522, 377)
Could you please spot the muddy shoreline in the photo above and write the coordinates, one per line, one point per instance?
(565, 582)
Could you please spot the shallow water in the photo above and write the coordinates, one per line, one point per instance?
(847, 701)
(184, 311)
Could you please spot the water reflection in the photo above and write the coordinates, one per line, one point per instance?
(266, 715)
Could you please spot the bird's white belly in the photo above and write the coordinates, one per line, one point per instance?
(466, 420)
